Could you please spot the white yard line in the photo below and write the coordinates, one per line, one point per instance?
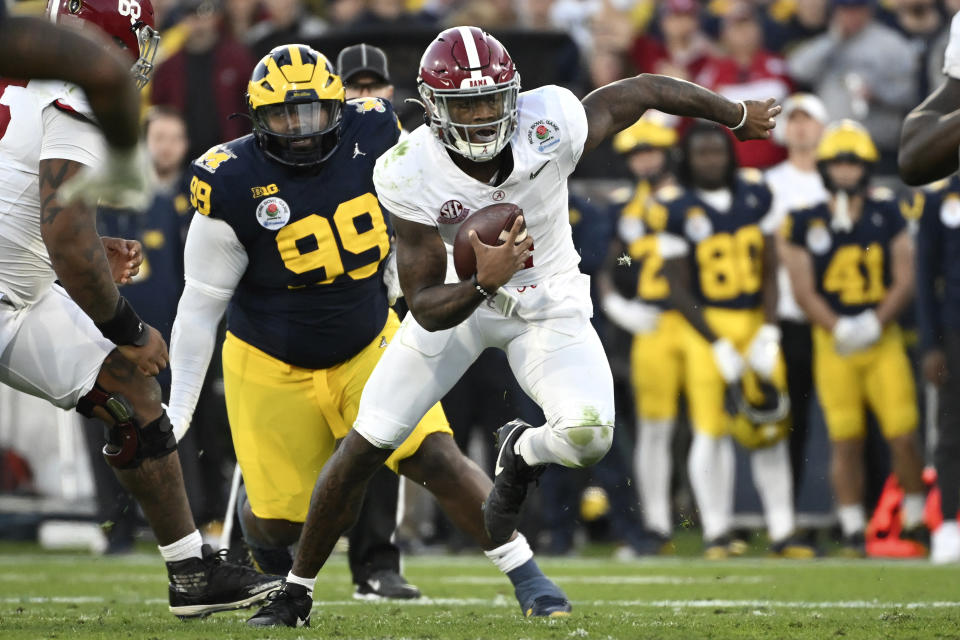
(508, 602)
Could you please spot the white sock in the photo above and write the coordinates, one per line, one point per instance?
(913, 505)
(186, 547)
(541, 445)
(653, 467)
(510, 555)
(711, 469)
(771, 477)
(306, 582)
(852, 518)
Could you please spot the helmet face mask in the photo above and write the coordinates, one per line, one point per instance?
(469, 87)
(296, 104)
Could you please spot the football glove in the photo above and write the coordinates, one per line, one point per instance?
(630, 315)
(120, 181)
(764, 351)
(728, 360)
(391, 279)
(855, 333)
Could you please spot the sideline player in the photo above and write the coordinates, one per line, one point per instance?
(720, 263)
(38, 49)
(634, 293)
(80, 344)
(851, 265)
(290, 236)
(373, 556)
(485, 143)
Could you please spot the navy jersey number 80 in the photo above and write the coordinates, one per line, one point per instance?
(312, 294)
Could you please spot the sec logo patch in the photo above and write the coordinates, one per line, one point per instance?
(273, 213)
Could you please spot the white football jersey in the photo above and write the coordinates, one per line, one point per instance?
(951, 57)
(417, 180)
(28, 134)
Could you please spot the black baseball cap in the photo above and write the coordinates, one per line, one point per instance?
(362, 58)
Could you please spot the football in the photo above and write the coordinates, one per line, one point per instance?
(492, 225)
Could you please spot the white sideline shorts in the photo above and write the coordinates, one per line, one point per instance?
(51, 349)
(552, 349)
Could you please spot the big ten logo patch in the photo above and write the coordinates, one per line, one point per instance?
(269, 190)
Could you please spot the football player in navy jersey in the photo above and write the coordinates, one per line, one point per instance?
(851, 265)
(290, 240)
(720, 263)
(938, 320)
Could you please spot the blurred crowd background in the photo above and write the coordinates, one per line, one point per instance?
(870, 60)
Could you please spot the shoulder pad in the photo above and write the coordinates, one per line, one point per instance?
(751, 175)
(214, 158)
(669, 193)
(882, 194)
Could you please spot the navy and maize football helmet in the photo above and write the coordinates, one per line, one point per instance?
(758, 412)
(846, 141)
(296, 104)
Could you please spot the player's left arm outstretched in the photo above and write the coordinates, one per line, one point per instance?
(614, 107)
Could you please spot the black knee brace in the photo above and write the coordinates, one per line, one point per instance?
(128, 444)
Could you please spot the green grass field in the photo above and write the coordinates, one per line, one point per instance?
(56, 595)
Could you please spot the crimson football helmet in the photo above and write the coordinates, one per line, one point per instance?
(463, 72)
(130, 23)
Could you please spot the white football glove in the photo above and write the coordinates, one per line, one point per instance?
(728, 360)
(764, 351)
(120, 181)
(855, 333)
(391, 279)
(630, 315)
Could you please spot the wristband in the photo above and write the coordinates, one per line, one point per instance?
(743, 120)
(476, 285)
(125, 327)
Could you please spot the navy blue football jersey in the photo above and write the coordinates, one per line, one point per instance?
(312, 295)
(726, 247)
(852, 268)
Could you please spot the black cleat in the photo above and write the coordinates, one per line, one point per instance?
(501, 510)
(201, 586)
(288, 606)
(386, 585)
(853, 546)
(549, 607)
(919, 535)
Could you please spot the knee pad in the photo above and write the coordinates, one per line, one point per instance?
(587, 443)
(129, 444)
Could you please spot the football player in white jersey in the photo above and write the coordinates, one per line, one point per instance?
(486, 143)
(930, 138)
(32, 48)
(78, 344)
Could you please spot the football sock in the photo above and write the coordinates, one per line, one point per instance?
(510, 555)
(270, 559)
(852, 518)
(652, 464)
(711, 470)
(913, 505)
(536, 446)
(309, 583)
(771, 477)
(186, 547)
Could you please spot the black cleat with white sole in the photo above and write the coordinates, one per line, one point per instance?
(288, 606)
(386, 585)
(501, 510)
(201, 586)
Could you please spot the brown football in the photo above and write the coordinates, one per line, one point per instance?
(492, 225)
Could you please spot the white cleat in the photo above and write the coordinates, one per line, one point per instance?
(945, 543)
